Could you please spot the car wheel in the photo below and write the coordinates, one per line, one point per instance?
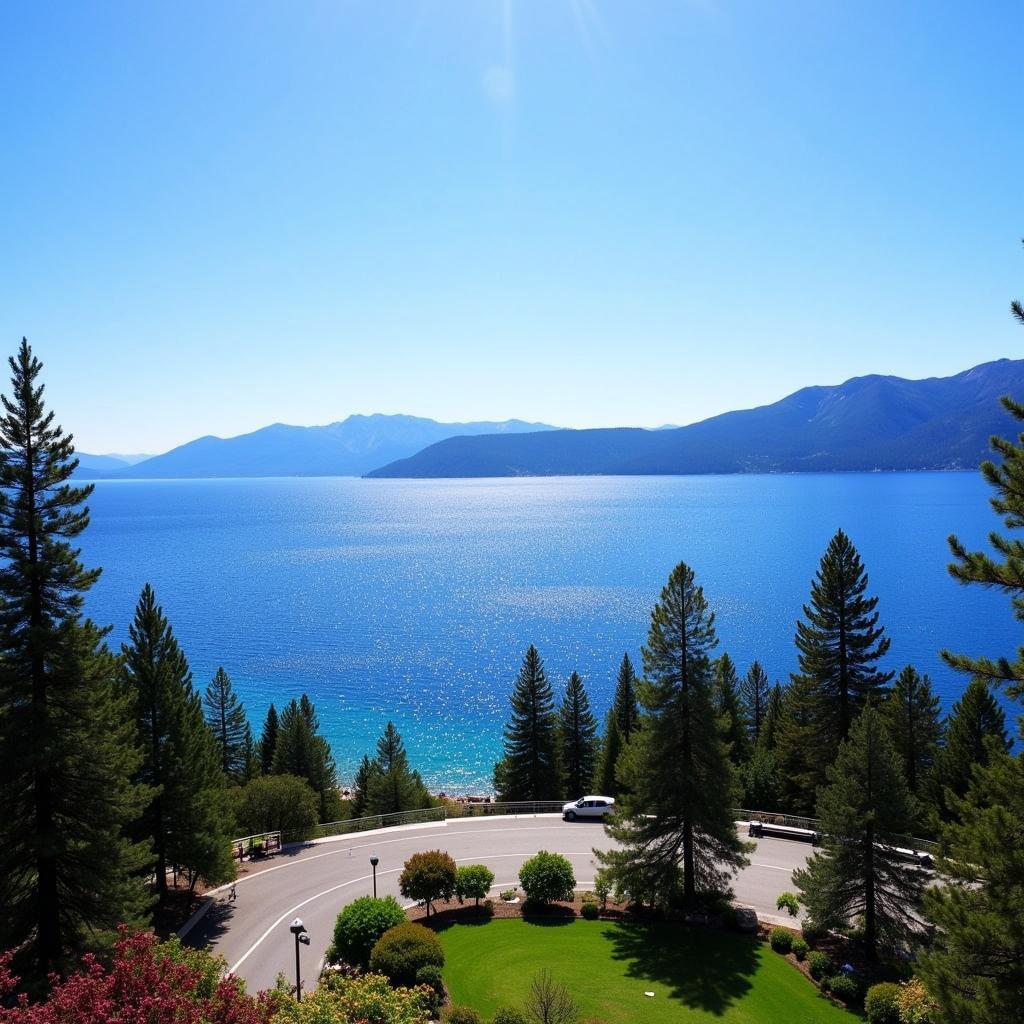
(570, 815)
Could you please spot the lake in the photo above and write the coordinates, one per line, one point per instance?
(414, 600)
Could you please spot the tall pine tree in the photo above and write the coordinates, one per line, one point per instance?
(530, 768)
(577, 736)
(67, 745)
(184, 822)
(226, 718)
(912, 715)
(605, 782)
(627, 713)
(300, 750)
(840, 644)
(392, 785)
(769, 734)
(268, 741)
(675, 825)
(858, 872)
(755, 691)
(732, 717)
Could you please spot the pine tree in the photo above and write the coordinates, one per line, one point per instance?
(300, 750)
(67, 746)
(769, 735)
(975, 966)
(185, 821)
(915, 727)
(226, 718)
(250, 757)
(733, 720)
(762, 786)
(675, 825)
(605, 782)
(627, 713)
(392, 785)
(755, 691)
(361, 786)
(530, 768)
(975, 736)
(577, 736)
(268, 741)
(796, 737)
(839, 643)
(858, 871)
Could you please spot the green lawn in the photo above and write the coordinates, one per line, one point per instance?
(696, 975)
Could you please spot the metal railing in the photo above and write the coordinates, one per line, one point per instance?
(343, 828)
(524, 808)
(257, 845)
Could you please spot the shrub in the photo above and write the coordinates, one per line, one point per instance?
(819, 965)
(800, 948)
(401, 951)
(591, 911)
(812, 933)
(843, 987)
(473, 882)
(788, 901)
(509, 1015)
(881, 1004)
(360, 925)
(276, 803)
(355, 997)
(546, 877)
(430, 975)
(781, 940)
(428, 876)
(508, 894)
(602, 888)
(915, 1005)
(461, 1015)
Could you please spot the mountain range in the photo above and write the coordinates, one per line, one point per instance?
(867, 423)
(350, 447)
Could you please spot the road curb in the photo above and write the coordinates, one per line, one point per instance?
(205, 903)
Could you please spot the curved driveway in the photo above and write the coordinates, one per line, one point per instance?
(316, 881)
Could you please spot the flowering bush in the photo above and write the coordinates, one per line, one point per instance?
(146, 983)
(915, 1005)
(357, 999)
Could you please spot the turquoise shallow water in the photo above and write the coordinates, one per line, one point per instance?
(414, 600)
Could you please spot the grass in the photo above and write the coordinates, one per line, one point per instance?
(696, 975)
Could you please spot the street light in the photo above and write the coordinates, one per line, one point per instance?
(374, 861)
(298, 929)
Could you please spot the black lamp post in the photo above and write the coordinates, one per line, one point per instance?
(374, 861)
(298, 929)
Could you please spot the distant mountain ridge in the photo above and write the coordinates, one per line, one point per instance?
(865, 424)
(349, 447)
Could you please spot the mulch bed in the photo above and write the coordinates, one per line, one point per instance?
(452, 912)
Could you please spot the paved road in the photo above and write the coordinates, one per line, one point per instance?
(315, 882)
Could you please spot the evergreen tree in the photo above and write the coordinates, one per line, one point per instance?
(769, 734)
(67, 746)
(392, 785)
(300, 750)
(839, 643)
(268, 741)
(185, 821)
(762, 786)
(975, 966)
(912, 716)
(975, 736)
(361, 786)
(627, 713)
(577, 735)
(733, 720)
(226, 718)
(675, 825)
(605, 782)
(530, 769)
(755, 693)
(858, 871)
(796, 738)
(250, 757)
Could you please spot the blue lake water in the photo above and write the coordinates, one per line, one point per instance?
(414, 600)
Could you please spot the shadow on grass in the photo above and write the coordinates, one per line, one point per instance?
(703, 969)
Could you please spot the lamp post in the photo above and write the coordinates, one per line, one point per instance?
(374, 861)
(298, 929)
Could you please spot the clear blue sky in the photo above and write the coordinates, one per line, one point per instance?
(218, 215)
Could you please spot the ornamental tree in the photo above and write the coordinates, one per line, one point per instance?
(428, 876)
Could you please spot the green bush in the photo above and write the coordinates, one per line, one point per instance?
(428, 876)
(401, 951)
(354, 997)
(812, 933)
(430, 975)
(881, 1004)
(602, 888)
(819, 965)
(842, 987)
(509, 1015)
(788, 901)
(781, 940)
(547, 877)
(473, 882)
(461, 1015)
(360, 925)
(591, 911)
(800, 948)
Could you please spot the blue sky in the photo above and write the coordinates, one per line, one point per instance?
(219, 215)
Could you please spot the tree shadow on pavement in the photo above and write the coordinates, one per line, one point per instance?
(702, 968)
(214, 923)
